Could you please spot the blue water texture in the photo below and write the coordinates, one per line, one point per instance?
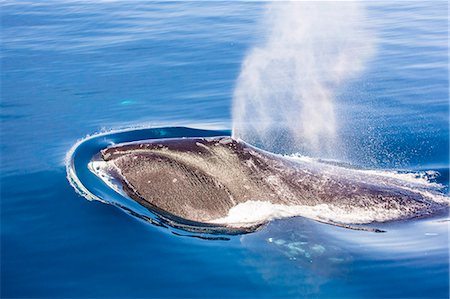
(74, 68)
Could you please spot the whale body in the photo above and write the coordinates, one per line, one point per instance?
(228, 182)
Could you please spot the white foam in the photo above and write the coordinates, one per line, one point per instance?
(103, 170)
(255, 212)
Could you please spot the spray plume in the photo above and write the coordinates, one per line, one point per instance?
(284, 96)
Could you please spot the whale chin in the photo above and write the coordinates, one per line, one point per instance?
(223, 182)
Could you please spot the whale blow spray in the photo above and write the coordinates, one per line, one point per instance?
(284, 96)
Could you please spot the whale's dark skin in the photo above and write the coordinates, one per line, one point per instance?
(201, 179)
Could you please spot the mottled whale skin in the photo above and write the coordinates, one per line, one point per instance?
(203, 179)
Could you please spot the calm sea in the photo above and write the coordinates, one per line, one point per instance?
(73, 68)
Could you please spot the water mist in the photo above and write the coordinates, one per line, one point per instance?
(284, 97)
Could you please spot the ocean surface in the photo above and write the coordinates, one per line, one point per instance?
(70, 69)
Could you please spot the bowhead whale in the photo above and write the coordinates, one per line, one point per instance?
(227, 182)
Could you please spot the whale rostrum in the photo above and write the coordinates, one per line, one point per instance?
(225, 181)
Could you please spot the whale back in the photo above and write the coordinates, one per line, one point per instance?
(205, 179)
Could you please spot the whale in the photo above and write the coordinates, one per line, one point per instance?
(225, 182)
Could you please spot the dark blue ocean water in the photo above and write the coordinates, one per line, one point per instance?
(73, 68)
